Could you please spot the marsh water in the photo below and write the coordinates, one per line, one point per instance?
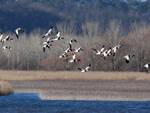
(31, 103)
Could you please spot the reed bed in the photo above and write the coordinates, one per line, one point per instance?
(5, 88)
(64, 75)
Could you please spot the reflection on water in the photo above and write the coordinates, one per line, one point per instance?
(30, 103)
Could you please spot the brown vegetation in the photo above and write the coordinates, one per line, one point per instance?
(5, 88)
(84, 86)
(64, 75)
(27, 52)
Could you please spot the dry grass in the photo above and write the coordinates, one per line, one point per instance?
(5, 88)
(81, 86)
(48, 75)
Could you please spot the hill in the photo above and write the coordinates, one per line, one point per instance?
(34, 14)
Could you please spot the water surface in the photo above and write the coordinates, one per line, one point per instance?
(31, 103)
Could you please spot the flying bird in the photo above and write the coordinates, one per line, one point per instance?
(74, 59)
(46, 45)
(128, 57)
(7, 48)
(64, 55)
(72, 41)
(146, 66)
(78, 50)
(1, 37)
(99, 52)
(96, 51)
(86, 69)
(109, 51)
(58, 37)
(7, 38)
(114, 49)
(69, 49)
(104, 54)
(17, 31)
(48, 33)
(49, 40)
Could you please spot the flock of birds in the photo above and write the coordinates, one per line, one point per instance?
(70, 54)
(3, 39)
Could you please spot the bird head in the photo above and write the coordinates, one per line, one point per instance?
(103, 46)
(89, 65)
(78, 60)
(62, 38)
(81, 49)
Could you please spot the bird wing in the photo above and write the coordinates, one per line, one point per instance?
(1, 36)
(58, 34)
(74, 56)
(17, 31)
(70, 46)
(49, 31)
(102, 49)
(87, 68)
(95, 50)
(126, 57)
(146, 65)
(7, 37)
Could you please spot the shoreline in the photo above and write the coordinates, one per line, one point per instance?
(86, 90)
(44, 97)
(81, 86)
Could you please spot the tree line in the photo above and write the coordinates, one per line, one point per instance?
(27, 53)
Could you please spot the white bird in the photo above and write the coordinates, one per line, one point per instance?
(86, 69)
(46, 45)
(74, 59)
(114, 49)
(72, 41)
(146, 66)
(78, 50)
(49, 39)
(58, 37)
(102, 49)
(7, 38)
(6, 48)
(1, 37)
(98, 52)
(128, 57)
(68, 50)
(109, 51)
(104, 54)
(17, 31)
(64, 55)
(48, 33)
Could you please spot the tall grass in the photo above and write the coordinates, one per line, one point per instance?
(27, 51)
(5, 88)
